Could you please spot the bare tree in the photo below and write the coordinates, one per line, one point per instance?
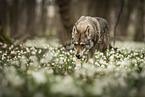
(66, 19)
(128, 8)
(43, 16)
(14, 16)
(31, 14)
(3, 36)
(5, 15)
(139, 33)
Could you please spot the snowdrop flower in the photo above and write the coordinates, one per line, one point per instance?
(48, 56)
(134, 61)
(103, 66)
(13, 77)
(97, 87)
(39, 51)
(39, 77)
(61, 58)
(141, 56)
(1, 43)
(68, 60)
(14, 62)
(111, 58)
(4, 46)
(59, 66)
(33, 52)
(143, 73)
(38, 94)
(34, 64)
(69, 67)
(112, 51)
(33, 58)
(62, 48)
(56, 59)
(91, 60)
(50, 48)
(74, 59)
(61, 61)
(67, 86)
(49, 71)
(97, 64)
(23, 60)
(71, 51)
(55, 54)
(43, 60)
(89, 69)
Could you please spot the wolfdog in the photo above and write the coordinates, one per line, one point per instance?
(90, 34)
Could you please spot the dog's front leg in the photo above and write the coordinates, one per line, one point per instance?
(78, 63)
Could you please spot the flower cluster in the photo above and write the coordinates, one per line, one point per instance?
(50, 71)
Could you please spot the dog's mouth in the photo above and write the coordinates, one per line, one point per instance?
(78, 56)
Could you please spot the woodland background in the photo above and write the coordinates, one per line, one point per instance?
(26, 19)
(38, 64)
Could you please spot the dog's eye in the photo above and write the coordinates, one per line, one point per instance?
(83, 45)
(75, 44)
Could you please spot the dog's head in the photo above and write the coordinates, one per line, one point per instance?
(81, 40)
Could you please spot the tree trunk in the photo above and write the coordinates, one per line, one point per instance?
(66, 19)
(100, 8)
(31, 14)
(5, 16)
(3, 36)
(129, 5)
(43, 16)
(139, 33)
(14, 17)
(22, 19)
(79, 8)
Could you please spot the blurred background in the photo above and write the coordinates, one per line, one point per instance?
(54, 19)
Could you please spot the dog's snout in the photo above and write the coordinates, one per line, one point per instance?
(78, 56)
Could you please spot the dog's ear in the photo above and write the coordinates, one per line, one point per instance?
(87, 30)
(88, 34)
(74, 31)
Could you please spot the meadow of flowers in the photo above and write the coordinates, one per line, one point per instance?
(41, 70)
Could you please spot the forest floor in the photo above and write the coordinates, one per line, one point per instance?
(41, 68)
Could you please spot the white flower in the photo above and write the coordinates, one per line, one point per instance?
(65, 85)
(98, 86)
(33, 58)
(13, 77)
(50, 71)
(74, 59)
(69, 67)
(91, 60)
(38, 94)
(39, 77)
(61, 58)
(34, 64)
(51, 48)
(111, 58)
(59, 66)
(33, 52)
(39, 51)
(43, 60)
(61, 62)
(52, 63)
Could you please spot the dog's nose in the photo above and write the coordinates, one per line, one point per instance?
(78, 56)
